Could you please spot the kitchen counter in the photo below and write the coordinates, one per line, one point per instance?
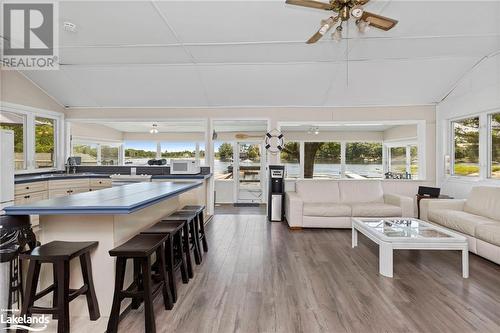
(115, 200)
(22, 179)
(111, 217)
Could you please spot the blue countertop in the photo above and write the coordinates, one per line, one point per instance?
(116, 200)
(22, 179)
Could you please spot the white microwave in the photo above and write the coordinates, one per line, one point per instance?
(184, 167)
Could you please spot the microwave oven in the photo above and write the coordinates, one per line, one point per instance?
(184, 167)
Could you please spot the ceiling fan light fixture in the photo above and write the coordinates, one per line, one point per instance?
(154, 129)
(357, 11)
(363, 26)
(337, 34)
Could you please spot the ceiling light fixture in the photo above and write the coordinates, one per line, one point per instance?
(363, 26)
(154, 129)
(69, 27)
(337, 35)
(313, 130)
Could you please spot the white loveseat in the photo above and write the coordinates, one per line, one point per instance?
(477, 218)
(332, 203)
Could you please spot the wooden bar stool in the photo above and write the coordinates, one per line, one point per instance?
(198, 209)
(140, 248)
(59, 254)
(193, 239)
(174, 253)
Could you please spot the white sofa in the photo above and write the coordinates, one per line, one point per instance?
(332, 203)
(477, 218)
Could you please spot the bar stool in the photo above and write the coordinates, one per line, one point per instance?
(193, 241)
(198, 209)
(59, 254)
(140, 248)
(174, 253)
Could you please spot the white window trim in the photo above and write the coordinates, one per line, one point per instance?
(30, 113)
(489, 166)
(451, 146)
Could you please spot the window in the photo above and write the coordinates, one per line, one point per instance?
(16, 122)
(88, 153)
(201, 149)
(495, 146)
(466, 147)
(178, 150)
(403, 159)
(322, 159)
(223, 162)
(110, 154)
(290, 157)
(414, 161)
(139, 152)
(45, 147)
(363, 160)
(397, 161)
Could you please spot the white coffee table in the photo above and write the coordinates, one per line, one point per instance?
(408, 234)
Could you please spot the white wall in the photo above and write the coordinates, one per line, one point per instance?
(402, 132)
(477, 93)
(94, 132)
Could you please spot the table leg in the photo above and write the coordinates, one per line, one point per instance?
(385, 259)
(465, 263)
(354, 237)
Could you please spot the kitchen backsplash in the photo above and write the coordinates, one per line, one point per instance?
(125, 170)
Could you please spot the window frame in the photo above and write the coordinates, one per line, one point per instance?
(99, 144)
(451, 146)
(25, 136)
(29, 114)
(489, 145)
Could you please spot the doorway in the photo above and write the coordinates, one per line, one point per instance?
(248, 165)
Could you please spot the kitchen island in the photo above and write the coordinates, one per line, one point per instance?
(110, 216)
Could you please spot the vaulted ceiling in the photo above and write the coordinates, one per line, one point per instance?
(252, 53)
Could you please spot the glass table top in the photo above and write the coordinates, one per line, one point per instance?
(404, 228)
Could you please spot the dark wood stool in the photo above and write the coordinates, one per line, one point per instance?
(198, 209)
(140, 248)
(59, 255)
(193, 239)
(174, 253)
(15, 234)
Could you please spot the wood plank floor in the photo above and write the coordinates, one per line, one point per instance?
(261, 277)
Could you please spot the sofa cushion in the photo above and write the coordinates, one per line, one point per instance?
(457, 220)
(375, 209)
(483, 200)
(361, 191)
(318, 190)
(489, 233)
(326, 209)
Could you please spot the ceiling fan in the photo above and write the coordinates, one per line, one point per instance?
(344, 9)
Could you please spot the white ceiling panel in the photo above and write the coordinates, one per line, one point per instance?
(280, 52)
(58, 85)
(140, 86)
(268, 85)
(241, 21)
(402, 82)
(113, 23)
(124, 55)
(163, 127)
(408, 48)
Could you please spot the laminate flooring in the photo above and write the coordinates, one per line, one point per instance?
(262, 277)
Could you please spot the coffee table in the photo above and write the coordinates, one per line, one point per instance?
(408, 234)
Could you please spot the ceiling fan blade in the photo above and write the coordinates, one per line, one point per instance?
(362, 2)
(378, 21)
(314, 38)
(310, 4)
(329, 23)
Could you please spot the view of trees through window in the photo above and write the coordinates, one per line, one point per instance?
(15, 122)
(495, 146)
(223, 160)
(44, 142)
(87, 152)
(322, 159)
(364, 160)
(290, 157)
(110, 154)
(466, 147)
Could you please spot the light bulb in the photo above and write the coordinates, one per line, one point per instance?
(154, 129)
(363, 26)
(337, 34)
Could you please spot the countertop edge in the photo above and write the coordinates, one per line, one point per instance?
(27, 179)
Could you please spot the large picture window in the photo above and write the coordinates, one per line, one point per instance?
(87, 152)
(172, 150)
(322, 160)
(495, 146)
(139, 152)
(466, 147)
(363, 160)
(45, 142)
(290, 157)
(17, 123)
(223, 160)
